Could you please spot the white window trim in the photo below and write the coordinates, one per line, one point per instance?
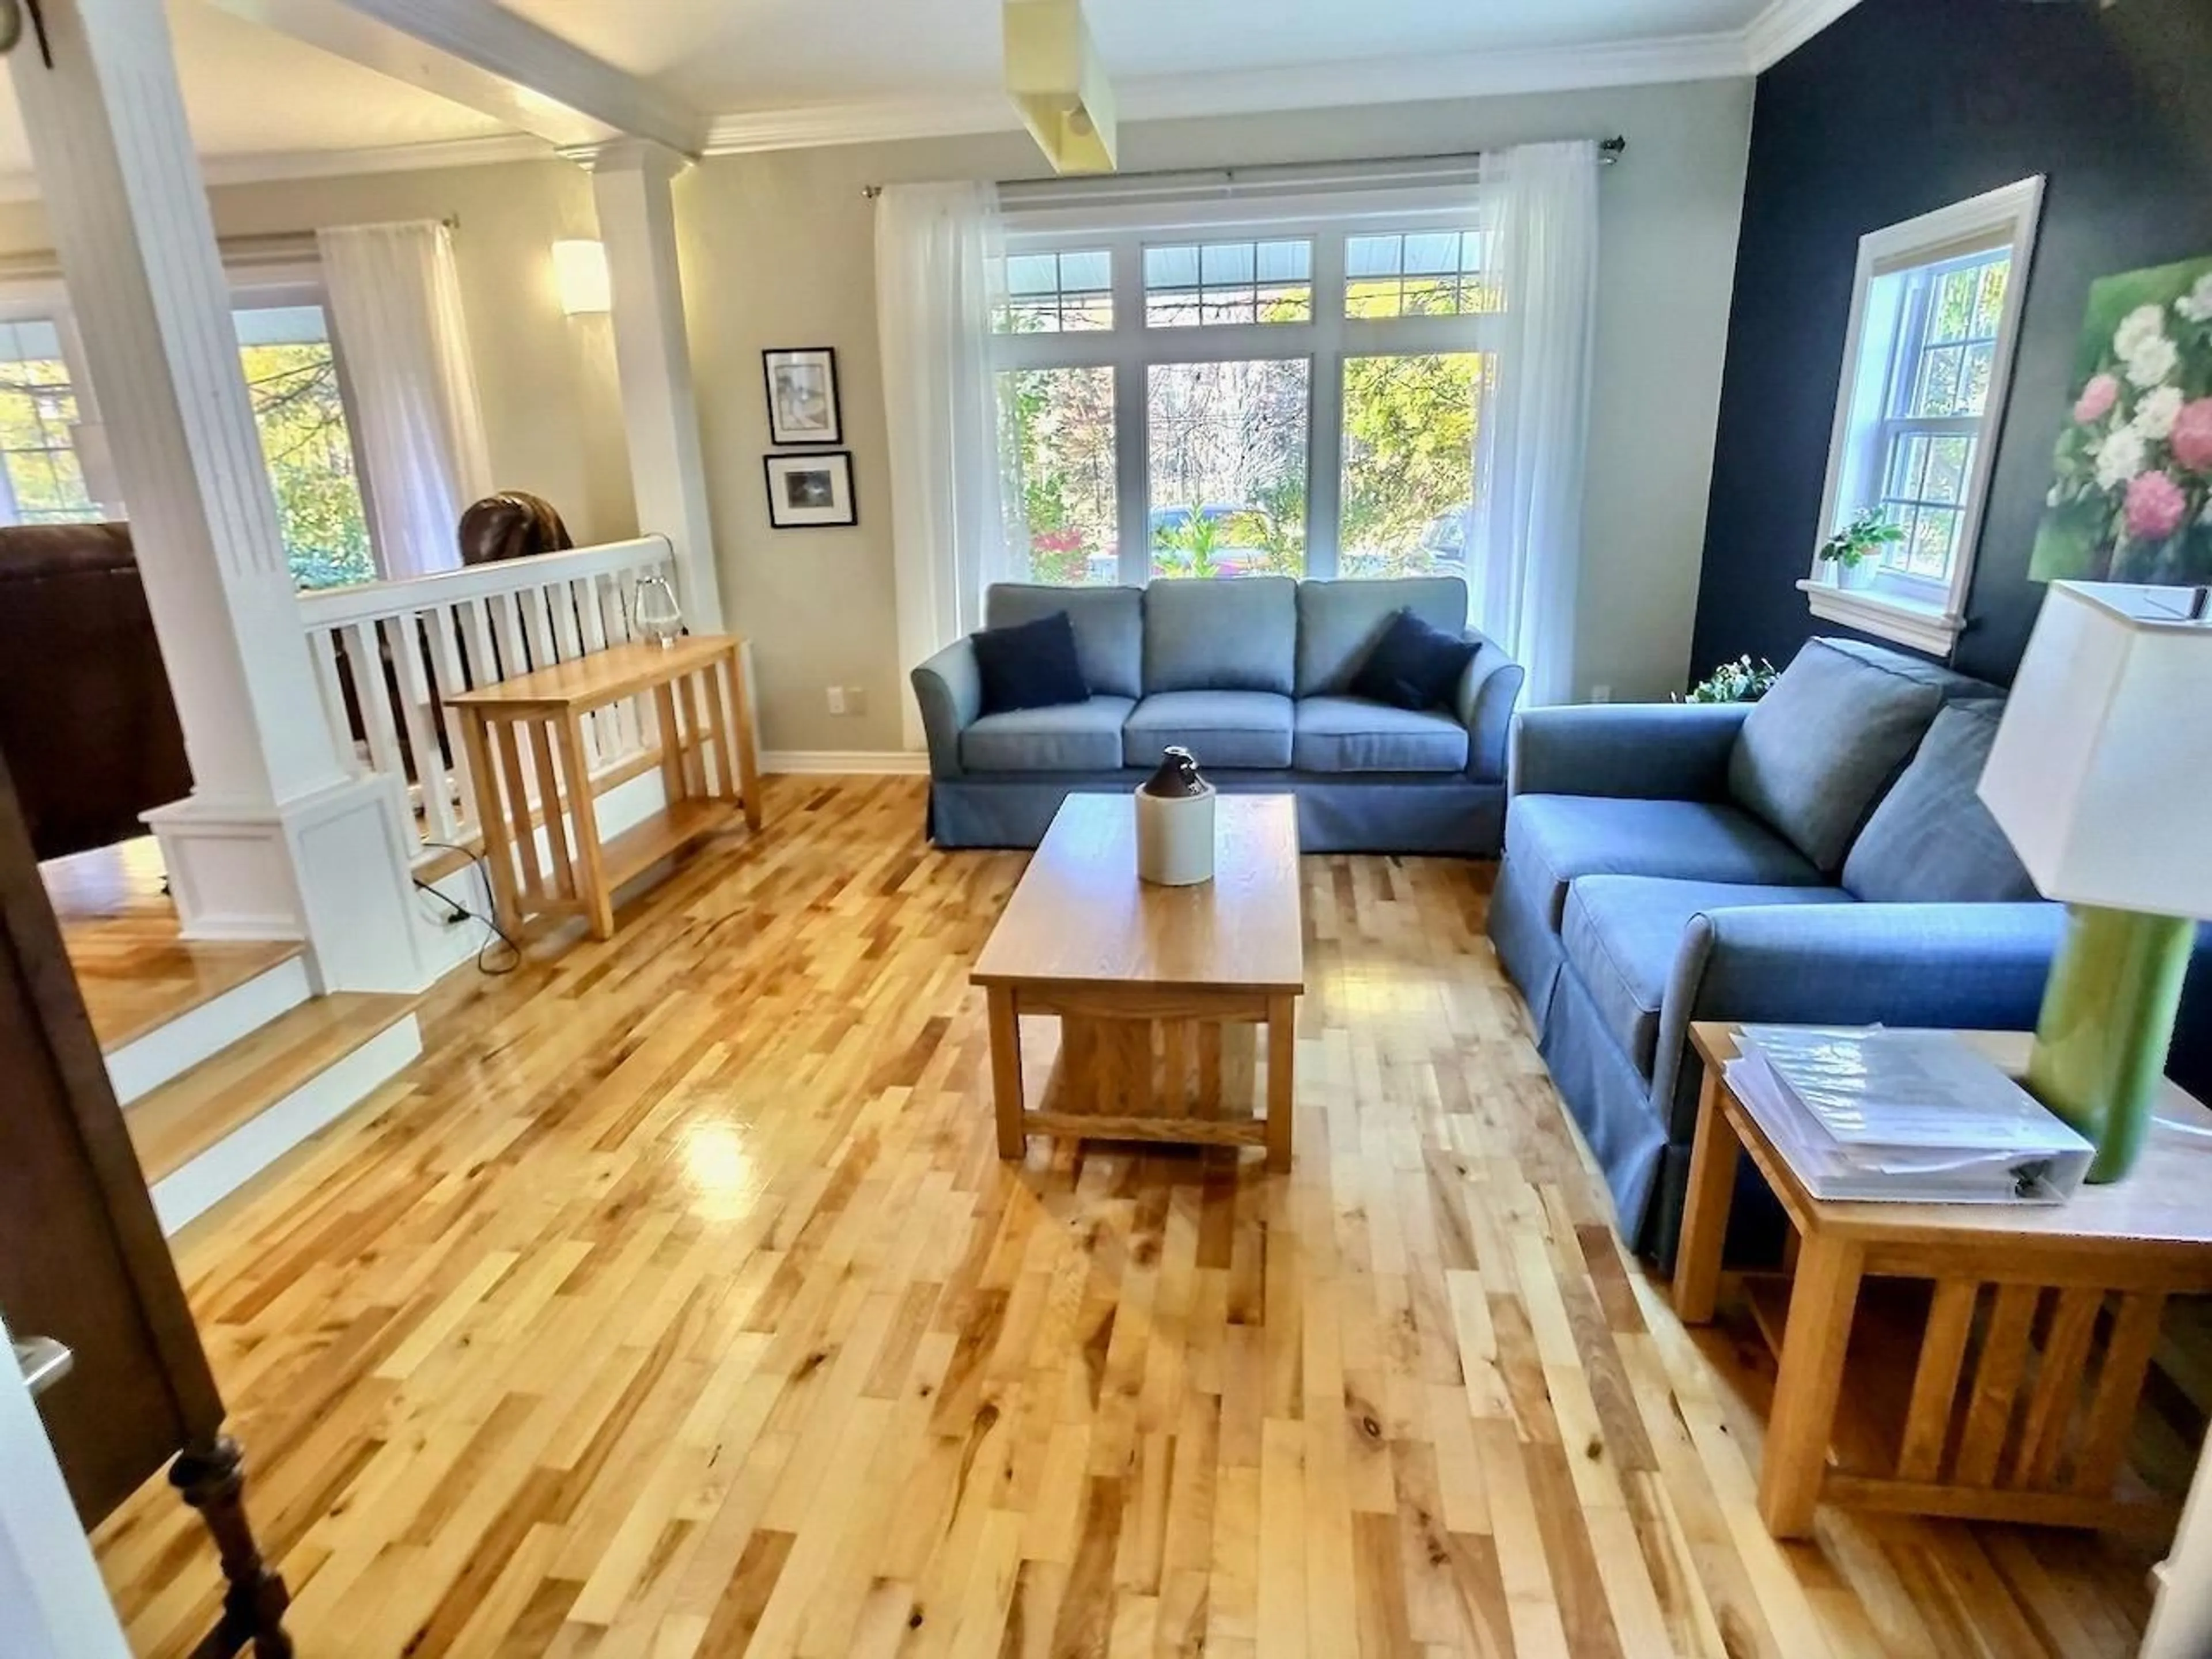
(1131, 349)
(1926, 616)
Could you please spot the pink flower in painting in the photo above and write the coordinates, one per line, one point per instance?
(2156, 508)
(2191, 436)
(2097, 398)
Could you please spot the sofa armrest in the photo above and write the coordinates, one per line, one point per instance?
(1645, 751)
(950, 689)
(1487, 691)
(1965, 967)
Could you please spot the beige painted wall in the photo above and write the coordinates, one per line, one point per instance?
(779, 251)
(552, 414)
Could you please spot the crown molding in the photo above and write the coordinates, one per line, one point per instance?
(274, 167)
(1786, 25)
(1183, 97)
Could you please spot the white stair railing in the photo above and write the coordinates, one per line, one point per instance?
(387, 653)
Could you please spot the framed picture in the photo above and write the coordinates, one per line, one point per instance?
(805, 492)
(802, 396)
(2131, 496)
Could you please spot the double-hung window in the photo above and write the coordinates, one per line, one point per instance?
(1202, 395)
(54, 463)
(1935, 311)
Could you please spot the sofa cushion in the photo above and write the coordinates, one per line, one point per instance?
(1109, 623)
(1564, 837)
(1339, 621)
(1239, 634)
(1225, 729)
(1931, 841)
(1414, 666)
(1622, 934)
(1031, 665)
(1818, 750)
(1078, 736)
(1350, 734)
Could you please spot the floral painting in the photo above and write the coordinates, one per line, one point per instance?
(2132, 501)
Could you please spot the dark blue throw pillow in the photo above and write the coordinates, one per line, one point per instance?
(1413, 666)
(1030, 665)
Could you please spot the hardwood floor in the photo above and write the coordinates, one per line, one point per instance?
(675, 1302)
(120, 931)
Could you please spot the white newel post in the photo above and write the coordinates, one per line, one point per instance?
(630, 188)
(280, 838)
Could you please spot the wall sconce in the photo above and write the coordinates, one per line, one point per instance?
(580, 270)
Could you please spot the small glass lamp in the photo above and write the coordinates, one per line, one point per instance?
(653, 613)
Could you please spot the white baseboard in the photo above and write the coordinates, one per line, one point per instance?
(856, 762)
(252, 1147)
(145, 1063)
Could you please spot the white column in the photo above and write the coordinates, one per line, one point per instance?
(279, 838)
(630, 186)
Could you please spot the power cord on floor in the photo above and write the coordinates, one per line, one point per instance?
(458, 912)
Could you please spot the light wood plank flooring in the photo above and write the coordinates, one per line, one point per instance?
(676, 1304)
(120, 931)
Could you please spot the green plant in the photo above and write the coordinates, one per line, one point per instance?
(1192, 544)
(1861, 540)
(1741, 680)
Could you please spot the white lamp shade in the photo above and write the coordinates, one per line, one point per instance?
(580, 270)
(2101, 773)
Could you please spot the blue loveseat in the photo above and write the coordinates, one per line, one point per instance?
(1252, 676)
(1820, 858)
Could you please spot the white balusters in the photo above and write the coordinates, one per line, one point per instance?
(401, 648)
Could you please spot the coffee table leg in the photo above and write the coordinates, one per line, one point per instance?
(1823, 1299)
(1282, 1051)
(1006, 1070)
(1713, 1156)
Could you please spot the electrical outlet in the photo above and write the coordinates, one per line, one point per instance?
(836, 699)
(856, 699)
(1601, 694)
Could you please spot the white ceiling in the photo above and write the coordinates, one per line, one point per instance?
(250, 91)
(766, 54)
(770, 72)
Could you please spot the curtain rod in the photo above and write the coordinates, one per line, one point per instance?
(1610, 150)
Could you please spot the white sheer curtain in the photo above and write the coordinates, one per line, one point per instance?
(395, 303)
(939, 262)
(1525, 536)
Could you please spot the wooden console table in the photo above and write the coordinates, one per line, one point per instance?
(2033, 1326)
(532, 727)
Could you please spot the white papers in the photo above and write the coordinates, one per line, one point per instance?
(1902, 1116)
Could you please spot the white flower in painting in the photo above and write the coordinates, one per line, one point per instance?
(2196, 304)
(2154, 362)
(2155, 415)
(2137, 330)
(2120, 458)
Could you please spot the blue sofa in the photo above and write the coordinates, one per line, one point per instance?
(1820, 857)
(1252, 676)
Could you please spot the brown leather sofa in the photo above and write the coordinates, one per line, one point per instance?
(88, 726)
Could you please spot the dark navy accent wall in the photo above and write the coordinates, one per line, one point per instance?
(1899, 107)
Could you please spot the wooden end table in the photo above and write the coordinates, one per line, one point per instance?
(531, 729)
(2041, 1325)
(1153, 986)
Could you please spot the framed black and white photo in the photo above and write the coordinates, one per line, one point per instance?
(802, 396)
(807, 491)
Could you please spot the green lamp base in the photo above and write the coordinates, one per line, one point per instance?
(2107, 1022)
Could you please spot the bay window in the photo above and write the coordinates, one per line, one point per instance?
(1291, 395)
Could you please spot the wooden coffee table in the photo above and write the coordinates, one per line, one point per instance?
(1146, 980)
(2025, 1350)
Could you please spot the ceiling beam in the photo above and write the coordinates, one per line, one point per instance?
(479, 55)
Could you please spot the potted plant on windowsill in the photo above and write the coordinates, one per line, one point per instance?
(1852, 556)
